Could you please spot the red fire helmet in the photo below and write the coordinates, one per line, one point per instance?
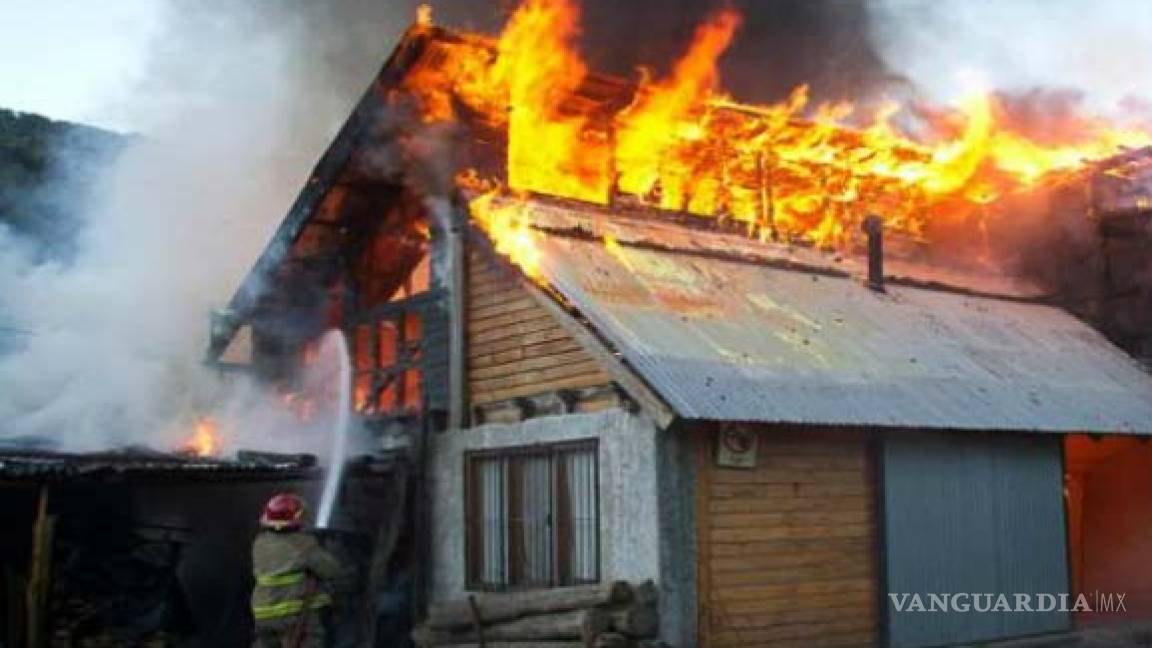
(283, 511)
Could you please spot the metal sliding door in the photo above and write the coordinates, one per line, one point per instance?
(973, 514)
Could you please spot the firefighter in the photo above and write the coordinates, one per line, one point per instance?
(292, 573)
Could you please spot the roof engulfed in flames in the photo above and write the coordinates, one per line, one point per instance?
(787, 171)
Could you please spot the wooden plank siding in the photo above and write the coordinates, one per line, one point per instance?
(515, 347)
(787, 550)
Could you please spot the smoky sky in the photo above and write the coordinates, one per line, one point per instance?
(781, 44)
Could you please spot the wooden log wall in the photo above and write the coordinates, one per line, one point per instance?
(788, 549)
(515, 347)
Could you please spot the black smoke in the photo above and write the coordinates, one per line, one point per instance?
(782, 43)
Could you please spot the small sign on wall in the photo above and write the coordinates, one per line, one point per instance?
(736, 447)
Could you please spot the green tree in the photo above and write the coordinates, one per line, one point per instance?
(48, 171)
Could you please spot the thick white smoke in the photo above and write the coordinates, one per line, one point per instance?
(240, 100)
(1100, 47)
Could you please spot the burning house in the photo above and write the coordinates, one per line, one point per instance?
(635, 331)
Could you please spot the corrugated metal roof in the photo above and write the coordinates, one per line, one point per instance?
(735, 341)
(41, 466)
(682, 233)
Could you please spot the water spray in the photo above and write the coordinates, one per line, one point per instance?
(335, 345)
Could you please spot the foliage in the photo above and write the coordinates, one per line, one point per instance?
(49, 171)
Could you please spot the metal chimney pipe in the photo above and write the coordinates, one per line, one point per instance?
(874, 228)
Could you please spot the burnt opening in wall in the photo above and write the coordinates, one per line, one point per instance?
(1109, 518)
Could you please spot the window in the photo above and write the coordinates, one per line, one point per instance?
(388, 349)
(417, 282)
(387, 365)
(533, 517)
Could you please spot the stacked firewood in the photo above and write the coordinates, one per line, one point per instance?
(609, 615)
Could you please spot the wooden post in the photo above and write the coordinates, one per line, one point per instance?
(477, 622)
(39, 572)
(767, 212)
(613, 173)
(422, 521)
(387, 536)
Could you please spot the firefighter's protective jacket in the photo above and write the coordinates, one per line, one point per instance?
(284, 563)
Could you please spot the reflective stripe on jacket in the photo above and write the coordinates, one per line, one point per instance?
(280, 580)
(289, 607)
(283, 564)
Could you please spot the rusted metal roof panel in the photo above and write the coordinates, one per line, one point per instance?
(738, 341)
(693, 235)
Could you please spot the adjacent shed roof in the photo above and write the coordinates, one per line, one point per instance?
(48, 466)
(738, 340)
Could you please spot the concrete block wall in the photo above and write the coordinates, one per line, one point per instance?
(630, 494)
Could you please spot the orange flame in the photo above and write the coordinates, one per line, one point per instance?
(662, 115)
(299, 405)
(510, 230)
(536, 61)
(424, 15)
(205, 440)
(788, 170)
